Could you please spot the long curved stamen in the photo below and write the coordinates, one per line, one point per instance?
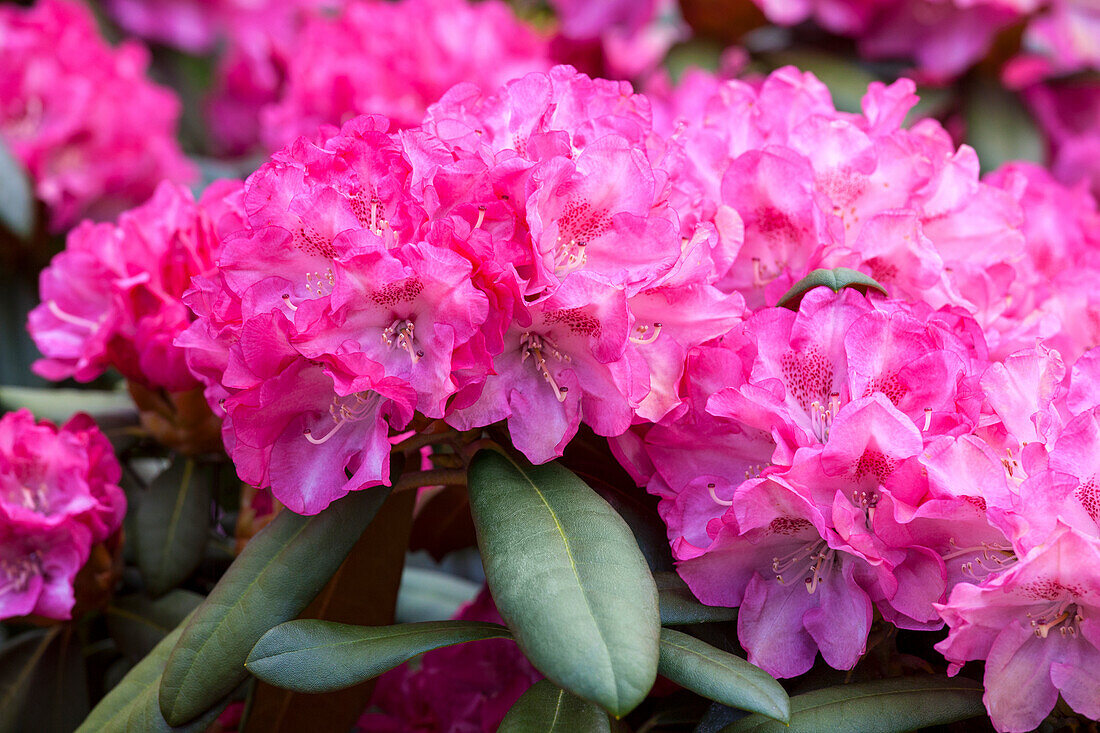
(286, 299)
(326, 436)
(69, 317)
(723, 502)
(644, 337)
(480, 217)
(927, 419)
(533, 347)
(809, 560)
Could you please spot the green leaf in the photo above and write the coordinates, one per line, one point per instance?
(276, 576)
(680, 608)
(881, 706)
(137, 623)
(569, 579)
(58, 405)
(719, 676)
(546, 708)
(132, 705)
(172, 520)
(59, 697)
(837, 279)
(309, 655)
(19, 658)
(1000, 128)
(17, 212)
(431, 595)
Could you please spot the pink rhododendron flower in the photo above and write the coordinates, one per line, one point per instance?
(832, 408)
(468, 687)
(393, 59)
(59, 494)
(112, 298)
(1035, 625)
(791, 185)
(1069, 115)
(95, 135)
(942, 37)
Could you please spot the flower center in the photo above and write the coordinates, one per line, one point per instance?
(345, 410)
(401, 335)
(1063, 615)
(989, 558)
(17, 573)
(811, 562)
(822, 416)
(535, 347)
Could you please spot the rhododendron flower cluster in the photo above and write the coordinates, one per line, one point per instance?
(95, 135)
(561, 250)
(113, 297)
(59, 494)
(945, 37)
(287, 73)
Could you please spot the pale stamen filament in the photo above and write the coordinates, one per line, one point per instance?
(1064, 614)
(722, 502)
(69, 317)
(645, 336)
(927, 418)
(286, 299)
(809, 560)
(533, 347)
(821, 417)
(342, 414)
(401, 335)
(480, 217)
(571, 255)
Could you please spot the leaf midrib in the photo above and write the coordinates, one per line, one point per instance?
(573, 566)
(488, 627)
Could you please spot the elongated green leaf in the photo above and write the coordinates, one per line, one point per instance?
(59, 688)
(172, 521)
(276, 576)
(546, 708)
(132, 706)
(19, 658)
(58, 405)
(680, 608)
(720, 676)
(837, 279)
(138, 623)
(882, 706)
(568, 577)
(309, 655)
(17, 212)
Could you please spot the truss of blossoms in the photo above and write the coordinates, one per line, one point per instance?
(743, 405)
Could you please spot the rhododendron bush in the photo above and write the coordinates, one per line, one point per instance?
(473, 366)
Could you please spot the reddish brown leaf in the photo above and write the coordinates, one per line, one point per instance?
(443, 523)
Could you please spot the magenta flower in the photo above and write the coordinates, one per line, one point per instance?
(469, 687)
(113, 297)
(1034, 625)
(94, 133)
(392, 59)
(59, 494)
